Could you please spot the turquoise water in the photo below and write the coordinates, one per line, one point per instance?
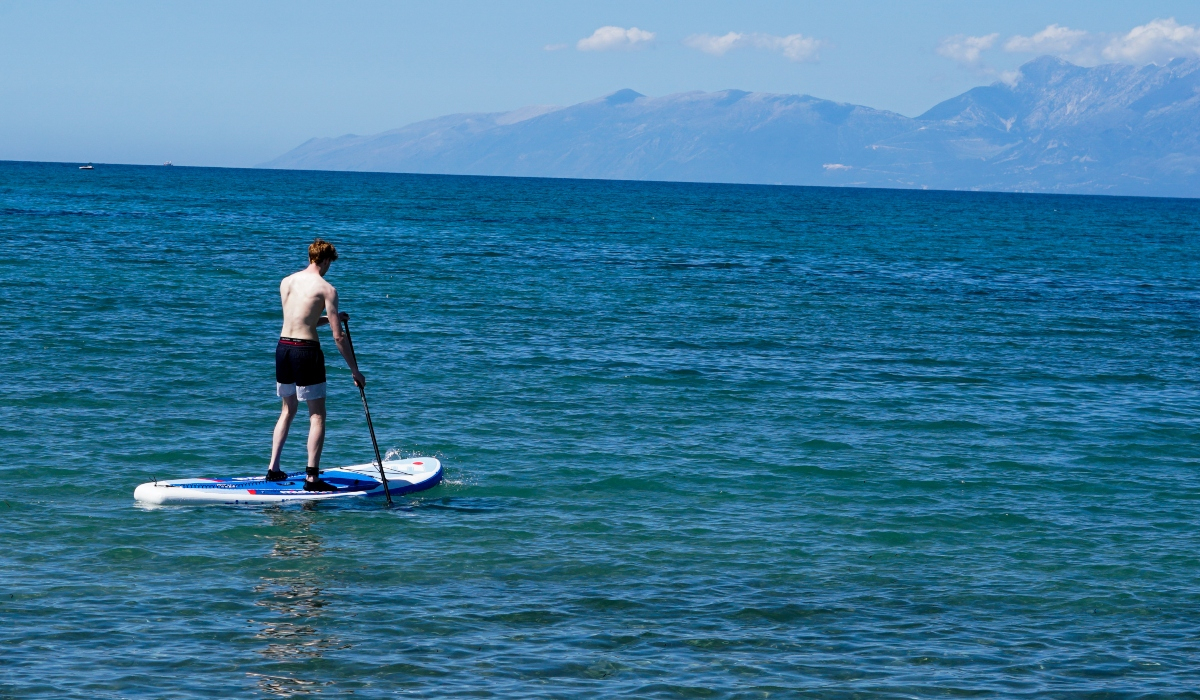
(700, 440)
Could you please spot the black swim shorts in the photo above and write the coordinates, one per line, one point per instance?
(299, 369)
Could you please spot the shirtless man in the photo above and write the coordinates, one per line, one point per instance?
(299, 362)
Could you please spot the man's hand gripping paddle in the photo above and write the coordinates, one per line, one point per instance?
(363, 393)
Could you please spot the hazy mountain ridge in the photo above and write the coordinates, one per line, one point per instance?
(1059, 128)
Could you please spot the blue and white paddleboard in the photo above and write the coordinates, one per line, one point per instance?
(403, 475)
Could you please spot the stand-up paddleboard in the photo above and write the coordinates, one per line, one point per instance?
(403, 476)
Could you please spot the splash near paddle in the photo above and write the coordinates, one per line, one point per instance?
(359, 481)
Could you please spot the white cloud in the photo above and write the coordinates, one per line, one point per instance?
(554, 47)
(966, 49)
(613, 38)
(1157, 41)
(715, 45)
(794, 47)
(1075, 45)
(1053, 39)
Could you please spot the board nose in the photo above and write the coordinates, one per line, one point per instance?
(148, 493)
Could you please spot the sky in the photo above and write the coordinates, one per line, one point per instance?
(238, 83)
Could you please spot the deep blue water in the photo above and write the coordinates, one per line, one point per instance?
(701, 440)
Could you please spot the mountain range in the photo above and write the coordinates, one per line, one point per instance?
(1057, 127)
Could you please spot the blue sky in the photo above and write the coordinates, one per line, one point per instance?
(236, 83)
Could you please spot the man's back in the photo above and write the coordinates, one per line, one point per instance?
(305, 295)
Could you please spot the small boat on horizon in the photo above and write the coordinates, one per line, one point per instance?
(168, 163)
(86, 167)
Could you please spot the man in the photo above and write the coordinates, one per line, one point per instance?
(299, 362)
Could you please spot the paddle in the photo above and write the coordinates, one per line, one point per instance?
(363, 393)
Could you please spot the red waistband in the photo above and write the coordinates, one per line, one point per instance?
(300, 342)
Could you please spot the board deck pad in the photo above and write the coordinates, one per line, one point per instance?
(357, 481)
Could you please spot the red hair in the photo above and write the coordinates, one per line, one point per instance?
(320, 251)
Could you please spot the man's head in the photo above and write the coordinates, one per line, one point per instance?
(321, 253)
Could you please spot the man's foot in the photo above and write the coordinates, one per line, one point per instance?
(276, 475)
(318, 485)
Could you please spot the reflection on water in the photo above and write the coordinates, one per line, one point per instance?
(284, 686)
(292, 593)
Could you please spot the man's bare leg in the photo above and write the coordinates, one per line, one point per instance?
(282, 426)
(316, 440)
(316, 435)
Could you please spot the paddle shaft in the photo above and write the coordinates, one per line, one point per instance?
(362, 392)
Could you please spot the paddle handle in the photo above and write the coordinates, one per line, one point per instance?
(362, 392)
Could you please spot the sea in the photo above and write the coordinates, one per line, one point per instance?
(700, 440)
